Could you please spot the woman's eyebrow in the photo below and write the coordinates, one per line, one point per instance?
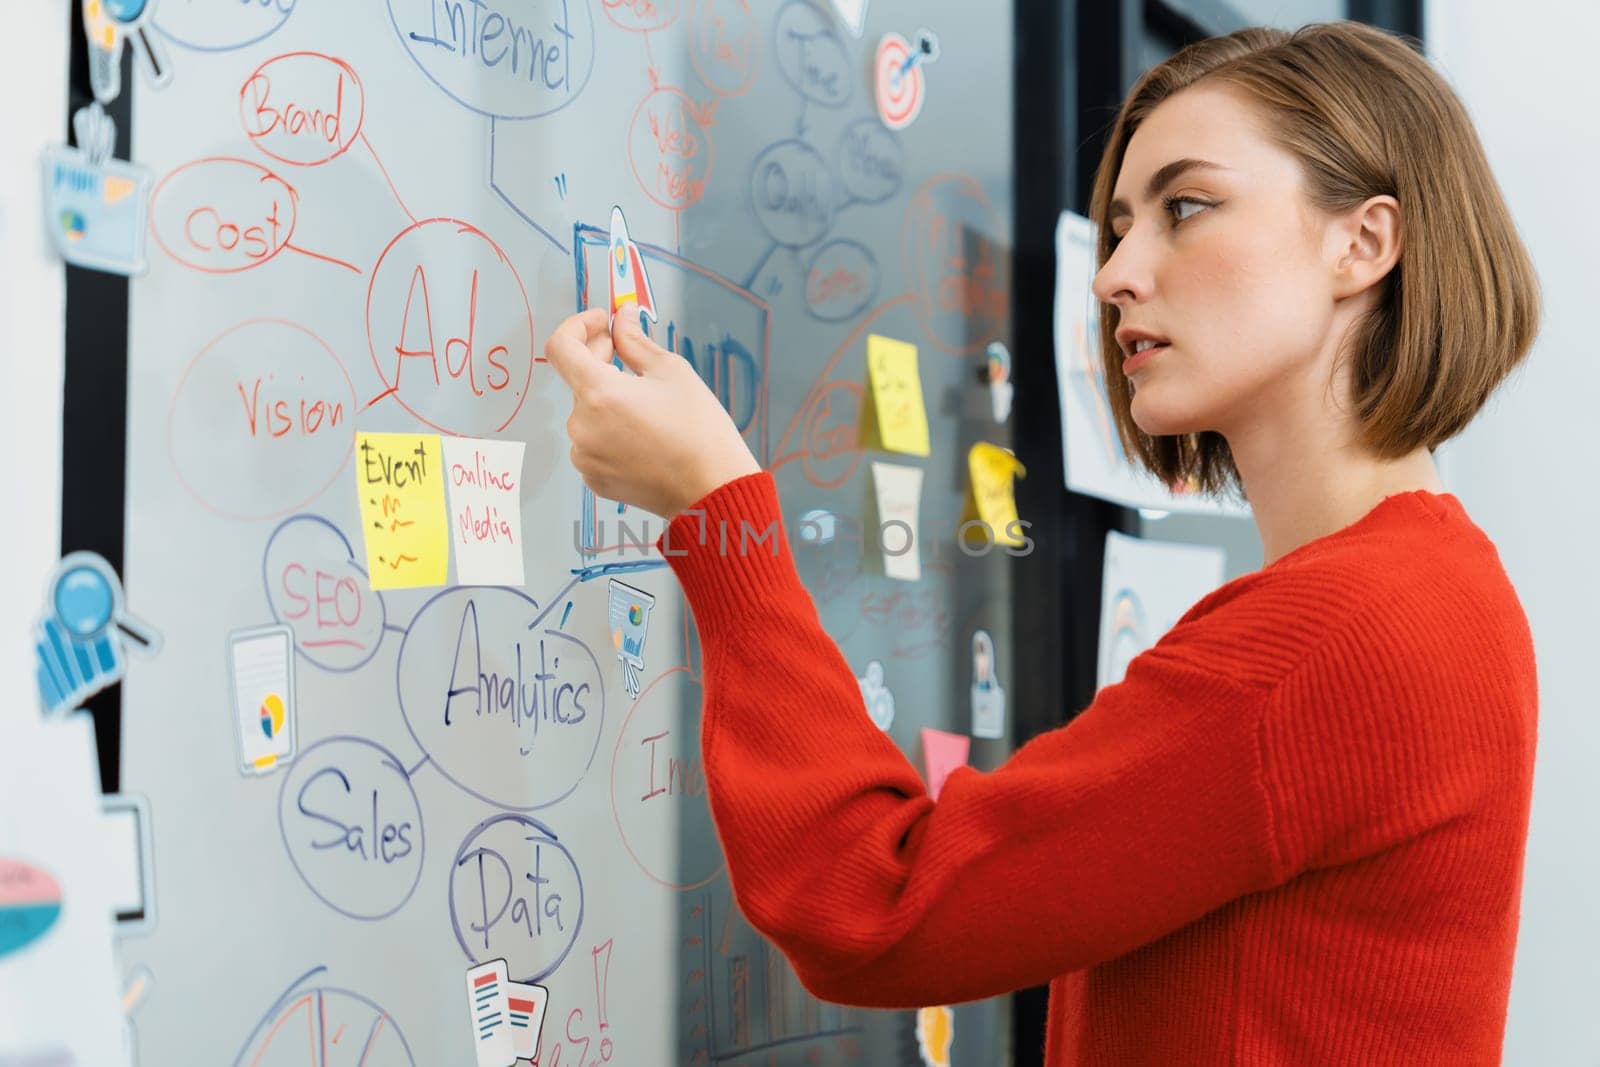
(1160, 179)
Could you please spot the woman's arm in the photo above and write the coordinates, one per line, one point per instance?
(1144, 813)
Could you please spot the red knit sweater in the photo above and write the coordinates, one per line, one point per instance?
(1293, 834)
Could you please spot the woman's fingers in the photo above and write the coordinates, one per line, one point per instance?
(640, 354)
(579, 349)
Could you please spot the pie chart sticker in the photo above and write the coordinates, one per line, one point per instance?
(30, 903)
(272, 715)
(305, 1027)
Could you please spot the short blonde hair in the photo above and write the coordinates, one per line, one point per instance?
(1366, 115)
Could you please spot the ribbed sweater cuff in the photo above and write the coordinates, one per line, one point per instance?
(729, 550)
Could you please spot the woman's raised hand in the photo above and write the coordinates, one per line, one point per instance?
(656, 438)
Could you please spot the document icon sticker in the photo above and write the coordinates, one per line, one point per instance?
(526, 1003)
(488, 989)
(261, 672)
(95, 209)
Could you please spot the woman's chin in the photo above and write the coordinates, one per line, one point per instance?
(1158, 419)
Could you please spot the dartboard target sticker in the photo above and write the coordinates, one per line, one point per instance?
(898, 83)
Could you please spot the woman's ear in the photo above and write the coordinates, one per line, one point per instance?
(1366, 244)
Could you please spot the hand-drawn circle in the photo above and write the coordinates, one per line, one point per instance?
(334, 884)
(467, 619)
(341, 555)
(528, 831)
(646, 715)
(281, 488)
(296, 62)
(461, 87)
(239, 178)
(664, 135)
(221, 35)
(841, 280)
(791, 192)
(324, 1007)
(871, 162)
(811, 55)
(635, 18)
(726, 62)
(959, 271)
(832, 418)
(463, 235)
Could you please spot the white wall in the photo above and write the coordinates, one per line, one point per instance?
(1526, 74)
(33, 81)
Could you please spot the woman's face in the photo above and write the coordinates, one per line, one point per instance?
(1235, 277)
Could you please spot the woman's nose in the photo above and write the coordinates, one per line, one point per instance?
(1121, 279)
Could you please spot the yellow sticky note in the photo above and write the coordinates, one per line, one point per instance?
(403, 515)
(990, 497)
(895, 419)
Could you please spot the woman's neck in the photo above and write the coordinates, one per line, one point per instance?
(1298, 497)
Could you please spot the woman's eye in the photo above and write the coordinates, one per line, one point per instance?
(1169, 205)
(1179, 201)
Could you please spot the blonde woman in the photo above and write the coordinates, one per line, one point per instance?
(1294, 832)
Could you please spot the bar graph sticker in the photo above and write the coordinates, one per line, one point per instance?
(488, 988)
(526, 1003)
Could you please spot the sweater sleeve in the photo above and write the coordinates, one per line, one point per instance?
(1145, 812)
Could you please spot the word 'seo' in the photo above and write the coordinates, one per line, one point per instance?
(506, 1016)
(81, 640)
(898, 87)
(94, 205)
(628, 279)
(876, 696)
(629, 615)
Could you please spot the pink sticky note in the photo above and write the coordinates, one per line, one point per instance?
(942, 753)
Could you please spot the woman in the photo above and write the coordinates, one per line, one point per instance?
(1294, 832)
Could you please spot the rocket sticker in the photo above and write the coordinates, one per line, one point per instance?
(628, 279)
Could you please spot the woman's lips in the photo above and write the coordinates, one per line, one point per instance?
(1139, 359)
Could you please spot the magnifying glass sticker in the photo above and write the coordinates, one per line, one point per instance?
(87, 598)
(108, 23)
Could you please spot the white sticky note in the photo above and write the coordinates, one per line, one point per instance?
(526, 1003)
(899, 490)
(488, 988)
(484, 480)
